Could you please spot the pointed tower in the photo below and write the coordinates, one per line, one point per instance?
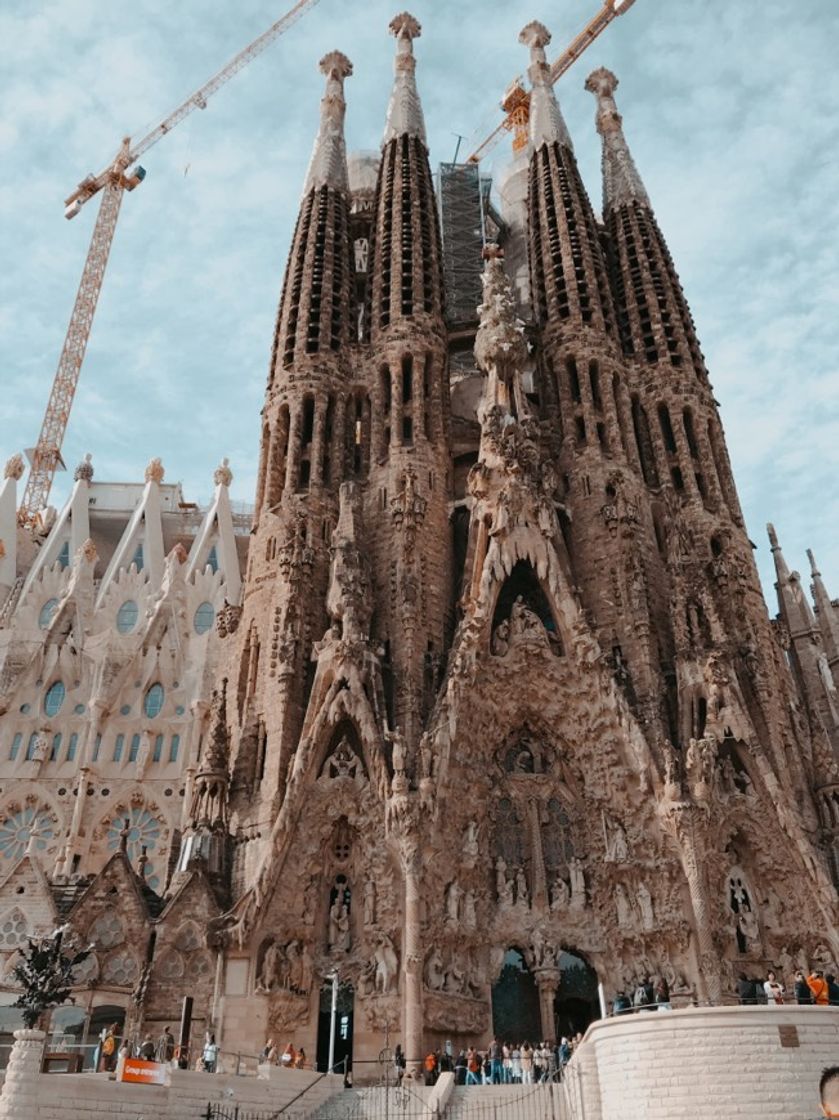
(302, 461)
(828, 617)
(407, 499)
(677, 428)
(205, 839)
(584, 398)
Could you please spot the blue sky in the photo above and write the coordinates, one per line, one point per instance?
(730, 109)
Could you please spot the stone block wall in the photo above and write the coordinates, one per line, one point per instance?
(758, 1062)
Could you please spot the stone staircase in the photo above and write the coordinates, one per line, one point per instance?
(507, 1102)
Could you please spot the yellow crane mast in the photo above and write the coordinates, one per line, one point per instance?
(113, 181)
(516, 100)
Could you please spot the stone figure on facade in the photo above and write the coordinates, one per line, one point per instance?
(340, 937)
(578, 883)
(645, 907)
(522, 896)
(387, 964)
(469, 848)
(503, 884)
(370, 903)
(435, 973)
(469, 917)
(560, 894)
(617, 849)
(453, 897)
(623, 908)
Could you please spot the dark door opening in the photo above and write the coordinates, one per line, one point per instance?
(343, 1027)
(515, 1002)
(576, 1004)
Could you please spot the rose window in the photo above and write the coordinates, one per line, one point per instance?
(188, 939)
(13, 929)
(172, 966)
(144, 831)
(198, 967)
(22, 826)
(120, 969)
(86, 971)
(107, 931)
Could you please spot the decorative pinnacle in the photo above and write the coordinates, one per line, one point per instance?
(621, 182)
(814, 571)
(773, 536)
(404, 111)
(14, 467)
(499, 342)
(84, 471)
(328, 165)
(223, 475)
(155, 471)
(546, 123)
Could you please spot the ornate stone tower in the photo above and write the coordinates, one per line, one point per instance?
(473, 794)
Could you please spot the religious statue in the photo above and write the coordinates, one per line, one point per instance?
(272, 973)
(645, 907)
(143, 755)
(578, 883)
(470, 850)
(339, 925)
(522, 898)
(560, 894)
(524, 622)
(503, 884)
(434, 971)
(387, 964)
(623, 908)
(369, 903)
(501, 638)
(617, 850)
(453, 895)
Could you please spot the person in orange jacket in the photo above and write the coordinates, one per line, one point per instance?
(818, 986)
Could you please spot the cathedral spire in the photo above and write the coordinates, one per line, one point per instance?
(621, 182)
(827, 613)
(547, 125)
(328, 165)
(795, 609)
(404, 111)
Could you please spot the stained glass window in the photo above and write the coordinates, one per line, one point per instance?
(204, 618)
(19, 827)
(127, 616)
(47, 613)
(54, 698)
(153, 701)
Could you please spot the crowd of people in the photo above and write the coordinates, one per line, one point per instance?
(817, 987)
(290, 1058)
(500, 1063)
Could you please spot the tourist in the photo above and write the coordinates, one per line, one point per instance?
(818, 986)
(507, 1063)
(399, 1063)
(526, 1064)
(621, 1004)
(662, 995)
(564, 1054)
(289, 1057)
(515, 1064)
(473, 1067)
(745, 989)
(430, 1067)
(829, 1092)
(832, 990)
(165, 1046)
(496, 1064)
(209, 1055)
(108, 1048)
(802, 989)
(300, 1059)
(774, 990)
(269, 1053)
(460, 1067)
(540, 1061)
(148, 1051)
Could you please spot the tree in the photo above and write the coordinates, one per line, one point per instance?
(46, 975)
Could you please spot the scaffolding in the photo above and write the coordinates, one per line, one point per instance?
(466, 221)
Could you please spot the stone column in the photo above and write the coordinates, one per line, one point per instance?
(19, 1098)
(681, 817)
(412, 948)
(547, 981)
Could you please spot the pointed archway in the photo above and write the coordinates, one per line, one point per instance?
(343, 1028)
(576, 1004)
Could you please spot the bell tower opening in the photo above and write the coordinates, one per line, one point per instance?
(515, 1002)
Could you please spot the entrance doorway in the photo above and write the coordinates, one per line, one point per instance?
(343, 1027)
(515, 1002)
(576, 1004)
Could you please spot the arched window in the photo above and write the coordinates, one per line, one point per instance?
(47, 613)
(54, 698)
(204, 618)
(153, 701)
(212, 560)
(127, 616)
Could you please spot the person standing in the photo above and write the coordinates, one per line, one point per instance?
(210, 1053)
(662, 995)
(832, 990)
(527, 1064)
(165, 1046)
(774, 990)
(801, 989)
(496, 1066)
(745, 989)
(148, 1051)
(818, 986)
(399, 1063)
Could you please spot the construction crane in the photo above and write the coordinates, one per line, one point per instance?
(119, 176)
(516, 101)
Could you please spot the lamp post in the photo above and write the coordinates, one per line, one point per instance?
(333, 1015)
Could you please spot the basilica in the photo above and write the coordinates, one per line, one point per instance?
(479, 707)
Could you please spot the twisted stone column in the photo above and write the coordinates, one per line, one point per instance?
(681, 818)
(19, 1099)
(412, 947)
(547, 981)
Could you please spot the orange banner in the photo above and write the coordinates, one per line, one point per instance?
(143, 1073)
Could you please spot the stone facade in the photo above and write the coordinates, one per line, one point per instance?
(501, 676)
